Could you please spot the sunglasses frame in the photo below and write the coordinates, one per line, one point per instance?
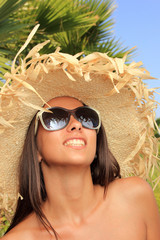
(71, 112)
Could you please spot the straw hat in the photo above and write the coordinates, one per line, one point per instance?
(115, 89)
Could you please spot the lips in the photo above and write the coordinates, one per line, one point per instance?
(75, 142)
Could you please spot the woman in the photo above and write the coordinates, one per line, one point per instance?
(69, 180)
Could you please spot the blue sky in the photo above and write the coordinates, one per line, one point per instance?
(137, 23)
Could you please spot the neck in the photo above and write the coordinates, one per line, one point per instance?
(71, 195)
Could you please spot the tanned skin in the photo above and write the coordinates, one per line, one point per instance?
(75, 207)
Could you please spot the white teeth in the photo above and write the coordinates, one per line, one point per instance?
(75, 142)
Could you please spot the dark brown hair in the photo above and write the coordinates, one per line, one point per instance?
(104, 169)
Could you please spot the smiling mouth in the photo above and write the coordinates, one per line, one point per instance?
(75, 142)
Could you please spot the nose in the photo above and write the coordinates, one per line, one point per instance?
(74, 124)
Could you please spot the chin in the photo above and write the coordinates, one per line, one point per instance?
(79, 161)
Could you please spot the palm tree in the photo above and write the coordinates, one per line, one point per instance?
(7, 28)
(74, 25)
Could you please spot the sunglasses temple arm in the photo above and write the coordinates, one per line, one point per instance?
(36, 123)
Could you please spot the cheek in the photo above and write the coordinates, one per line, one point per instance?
(90, 150)
(92, 146)
(48, 144)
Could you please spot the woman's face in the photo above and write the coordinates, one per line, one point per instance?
(58, 147)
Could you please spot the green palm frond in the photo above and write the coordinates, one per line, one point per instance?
(7, 7)
(74, 25)
(105, 23)
(4, 66)
(53, 15)
(59, 16)
(113, 48)
(9, 25)
(98, 37)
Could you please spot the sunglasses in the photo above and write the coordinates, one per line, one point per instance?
(57, 118)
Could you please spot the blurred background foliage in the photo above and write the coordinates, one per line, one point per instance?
(4, 223)
(72, 25)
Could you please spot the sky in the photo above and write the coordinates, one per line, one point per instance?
(137, 23)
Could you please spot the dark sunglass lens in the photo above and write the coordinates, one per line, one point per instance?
(88, 117)
(56, 120)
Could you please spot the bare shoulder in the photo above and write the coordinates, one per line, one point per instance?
(17, 235)
(138, 195)
(24, 230)
(133, 186)
(135, 189)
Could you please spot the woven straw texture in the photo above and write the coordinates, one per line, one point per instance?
(115, 89)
